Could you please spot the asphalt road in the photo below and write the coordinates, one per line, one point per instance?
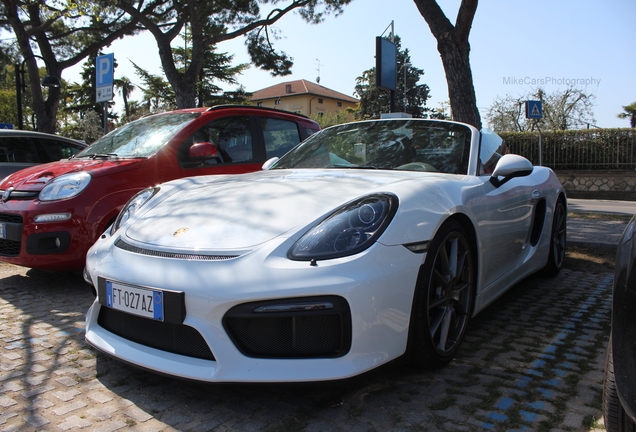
(602, 206)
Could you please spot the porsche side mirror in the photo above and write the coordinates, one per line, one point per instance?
(509, 167)
(202, 150)
(269, 163)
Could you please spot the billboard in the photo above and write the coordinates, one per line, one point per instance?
(385, 63)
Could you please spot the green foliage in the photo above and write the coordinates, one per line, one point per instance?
(8, 112)
(260, 41)
(66, 32)
(332, 119)
(63, 32)
(89, 128)
(217, 67)
(158, 96)
(593, 149)
(630, 113)
(8, 109)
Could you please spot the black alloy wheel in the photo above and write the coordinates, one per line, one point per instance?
(443, 298)
(558, 237)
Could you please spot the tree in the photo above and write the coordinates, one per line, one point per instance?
(562, 110)
(136, 110)
(630, 113)
(63, 33)
(89, 128)
(453, 46)
(331, 119)
(126, 87)
(567, 109)
(216, 67)
(158, 95)
(211, 23)
(8, 111)
(374, 100)
(80, 98)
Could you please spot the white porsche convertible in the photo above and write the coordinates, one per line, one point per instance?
(367, 242)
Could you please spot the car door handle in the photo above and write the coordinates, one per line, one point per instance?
(535, 196)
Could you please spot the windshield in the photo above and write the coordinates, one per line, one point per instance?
(141, 138)
(401, 144)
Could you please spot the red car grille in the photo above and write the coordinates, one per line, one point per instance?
(11, 247)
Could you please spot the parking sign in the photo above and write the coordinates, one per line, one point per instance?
(104, 73)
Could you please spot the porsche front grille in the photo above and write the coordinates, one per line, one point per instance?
(175, 338)
(277, 329)
(184, 256)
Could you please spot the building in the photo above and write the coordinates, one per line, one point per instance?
(303, 97)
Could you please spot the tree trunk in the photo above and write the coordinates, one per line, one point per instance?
(453, 46)
(459, 79)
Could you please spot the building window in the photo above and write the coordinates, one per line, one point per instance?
(260, 104)
(277, 102)
(320, 100)
(288, 88)
(339, 104)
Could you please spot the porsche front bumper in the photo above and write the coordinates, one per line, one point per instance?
(374, 289)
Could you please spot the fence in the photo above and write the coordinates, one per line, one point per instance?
(590, 149)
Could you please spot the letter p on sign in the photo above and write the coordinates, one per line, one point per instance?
(104, 70)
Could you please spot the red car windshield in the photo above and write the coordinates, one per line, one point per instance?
(141, 138)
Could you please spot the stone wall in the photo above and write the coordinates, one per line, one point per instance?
(611, 185)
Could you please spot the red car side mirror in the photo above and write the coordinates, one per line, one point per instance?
(203, 150)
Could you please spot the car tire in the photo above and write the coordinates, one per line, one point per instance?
(443, 299)
(616, 420)
(558, 238)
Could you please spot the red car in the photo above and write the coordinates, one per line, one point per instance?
(51, 214)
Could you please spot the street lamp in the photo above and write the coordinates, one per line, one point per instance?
(48, 81)
(406, 65)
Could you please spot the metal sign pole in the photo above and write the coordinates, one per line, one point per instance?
(105, 118)
(534, 110)
(104, 80)
(536, 123)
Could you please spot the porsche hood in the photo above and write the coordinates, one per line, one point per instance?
(241, 212)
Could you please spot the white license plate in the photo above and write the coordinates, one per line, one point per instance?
(138, 301)
(3, 230)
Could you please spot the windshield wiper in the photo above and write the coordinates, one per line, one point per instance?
(352, 166)
(341, 166)
(99, 155)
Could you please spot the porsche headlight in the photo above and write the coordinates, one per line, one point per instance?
(65, 186)
(131, 207)
(349, 230)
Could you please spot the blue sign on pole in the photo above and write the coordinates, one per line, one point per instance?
(104, 73)
(534, 109)
(6, 125)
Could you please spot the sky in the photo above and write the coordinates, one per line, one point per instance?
(516, 46)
